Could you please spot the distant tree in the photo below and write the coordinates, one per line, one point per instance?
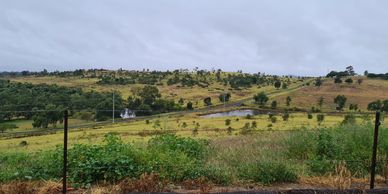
(181, 101)
(340, 100)
(359, 81)
(274, 104)
(189, 106)
(321, 101)
(224, 97)
(254, 124)
(349, 119)
(229, 130)
(285, 116)
(350, 70)
(273, 119)
(207, 101)
(228, 122)
(309, 115)
(375, 105)
(5, 127)
(353, 107)
(144, 110)
(261, 98)
(288, 101)
(284, 85)
(318, 82)
(349, 80)
(337, 80)
(320, 118)
(366, 72)
(277, 84)
(149, 94)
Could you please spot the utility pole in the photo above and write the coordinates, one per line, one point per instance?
(113, 108)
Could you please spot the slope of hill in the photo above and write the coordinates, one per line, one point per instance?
(361, 94)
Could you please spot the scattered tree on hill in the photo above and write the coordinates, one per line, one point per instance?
(378, 105)
(189, 106)
(318, 82)
(261, 98)
(321, 101)
(337, 80)
(181, 101)
(359, 81)
(350, 70)
(285, 116)
(228, 122)
(320, 118)
(288, 101)
(349, 119)
(207, 101)
(349, 80)
(274, 104)
(284, 85)
(340, 100)
(277, 84)
(224, 97)
(353, 107)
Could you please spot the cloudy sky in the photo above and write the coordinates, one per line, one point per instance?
(303, 37)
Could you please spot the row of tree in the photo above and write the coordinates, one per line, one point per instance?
(45, 103)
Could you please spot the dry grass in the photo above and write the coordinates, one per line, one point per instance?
(370, 90)
(146, 183)
(31, 187)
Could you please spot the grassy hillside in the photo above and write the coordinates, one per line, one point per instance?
(362, 94)
(196, 94)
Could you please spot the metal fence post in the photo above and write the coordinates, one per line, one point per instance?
(374, 155)
(64, 178)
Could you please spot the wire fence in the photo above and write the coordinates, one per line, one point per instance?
(165, 122)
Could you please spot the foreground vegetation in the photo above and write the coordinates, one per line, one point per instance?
(263, 158)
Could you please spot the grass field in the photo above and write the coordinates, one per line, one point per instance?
(369, 90)
(140, 131)
(195, 94)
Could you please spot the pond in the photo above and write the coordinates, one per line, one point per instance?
(235, 113)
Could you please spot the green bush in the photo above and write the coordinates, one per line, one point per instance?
(267, 172)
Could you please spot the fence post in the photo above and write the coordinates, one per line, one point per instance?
(64, 178)
(374, 155)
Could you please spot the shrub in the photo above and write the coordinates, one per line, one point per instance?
(267, 172)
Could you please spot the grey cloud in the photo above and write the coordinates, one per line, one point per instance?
(305, 37)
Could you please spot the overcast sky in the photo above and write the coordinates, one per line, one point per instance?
(301, 37)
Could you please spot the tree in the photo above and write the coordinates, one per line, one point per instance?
(320, 118)
(375, 105)
(318, 82)
(285, 116)
(207, 101)
(228, 122)
(366, 72)
(181, 101)
(224, 97)
(189, 106)
(288, 101)
(321, 101)
(349, 80)
(337, 80)
(51, 115)
(274, 104)
(277, 84)
(261, 98)
(350, 70)
(5, 127)
(284, 85)
(149, 94)
(340, 100)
